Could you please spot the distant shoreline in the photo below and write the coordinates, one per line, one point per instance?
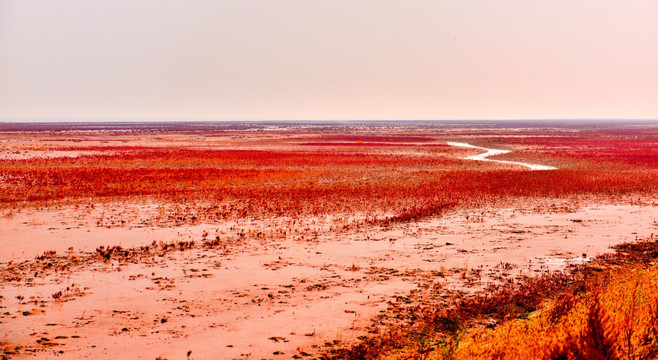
(40, 125)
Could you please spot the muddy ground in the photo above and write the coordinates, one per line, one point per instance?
(242, 290)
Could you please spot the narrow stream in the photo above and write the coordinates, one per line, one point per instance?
(491, 152)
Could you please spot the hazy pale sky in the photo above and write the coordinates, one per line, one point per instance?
(316, 59)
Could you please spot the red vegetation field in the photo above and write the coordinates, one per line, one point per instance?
(405, 176)
(623, 149)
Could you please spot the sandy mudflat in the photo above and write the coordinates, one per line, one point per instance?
(264, 296)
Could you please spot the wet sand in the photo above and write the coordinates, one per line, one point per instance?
(265, 296)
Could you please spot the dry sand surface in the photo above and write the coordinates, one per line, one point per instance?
(258, 296)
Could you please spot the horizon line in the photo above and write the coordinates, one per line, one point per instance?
(203, 120)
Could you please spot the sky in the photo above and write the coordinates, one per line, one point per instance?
(73, 60)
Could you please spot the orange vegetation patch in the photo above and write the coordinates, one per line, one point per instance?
(616, 319)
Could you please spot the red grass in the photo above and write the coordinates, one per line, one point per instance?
(294, 180)
(625, 149)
